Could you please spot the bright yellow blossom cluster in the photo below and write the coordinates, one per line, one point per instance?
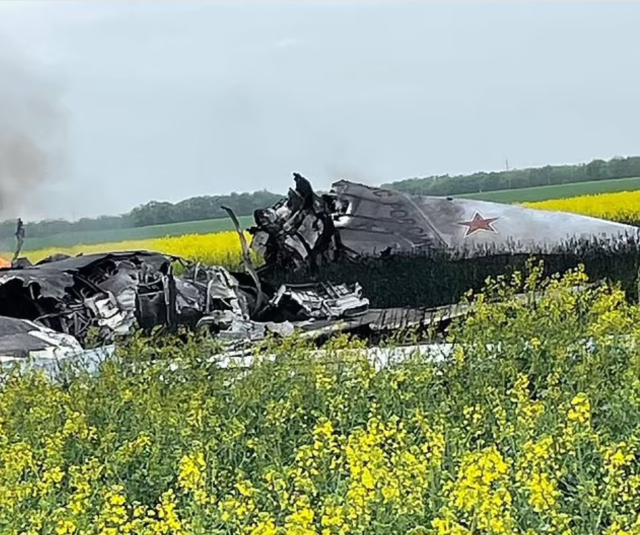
(221, 248)
(623, 206)
(532, 427)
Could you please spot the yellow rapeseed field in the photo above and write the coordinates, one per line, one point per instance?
(623, 207)
(219, 248)
(539, 434)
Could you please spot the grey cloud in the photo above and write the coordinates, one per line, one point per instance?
(172, 99)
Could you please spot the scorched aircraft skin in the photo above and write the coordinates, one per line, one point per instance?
(355, 220)
(48, 310)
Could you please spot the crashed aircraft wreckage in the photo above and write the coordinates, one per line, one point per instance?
(351, 221)
(49, 309)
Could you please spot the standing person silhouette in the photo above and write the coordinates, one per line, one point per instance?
(19, 239)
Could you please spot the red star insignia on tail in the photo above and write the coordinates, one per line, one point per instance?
(478, 223)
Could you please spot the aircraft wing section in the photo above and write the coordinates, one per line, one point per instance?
(467, 225)
(375, 219)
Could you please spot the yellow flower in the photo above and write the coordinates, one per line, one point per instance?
(447, 526)
(245, 488)
(221, 248)
(367, 479)
(621, 206)
(168, 519)
(66, 527)
(480, 490)
(580, 410)
(300, 522)
(266, 526)
(192, 476)
(113, 515)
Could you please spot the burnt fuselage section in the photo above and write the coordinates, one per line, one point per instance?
(306, 229)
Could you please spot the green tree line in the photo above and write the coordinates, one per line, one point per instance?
(151, 213)
(209, 207)
(520, 178)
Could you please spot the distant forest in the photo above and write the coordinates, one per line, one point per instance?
(208, 207)
(520, 178)
(152, 213)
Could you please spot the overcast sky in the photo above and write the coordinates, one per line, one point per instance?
(166, 100)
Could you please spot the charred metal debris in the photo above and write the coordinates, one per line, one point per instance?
(54, 305)
(113, 292)
(307, 230)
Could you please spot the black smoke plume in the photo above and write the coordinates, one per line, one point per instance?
(31, 133)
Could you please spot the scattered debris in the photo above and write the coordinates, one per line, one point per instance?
(111, 293)
(246, 258)
(22, 338)
(106, 291)
(50, 309)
